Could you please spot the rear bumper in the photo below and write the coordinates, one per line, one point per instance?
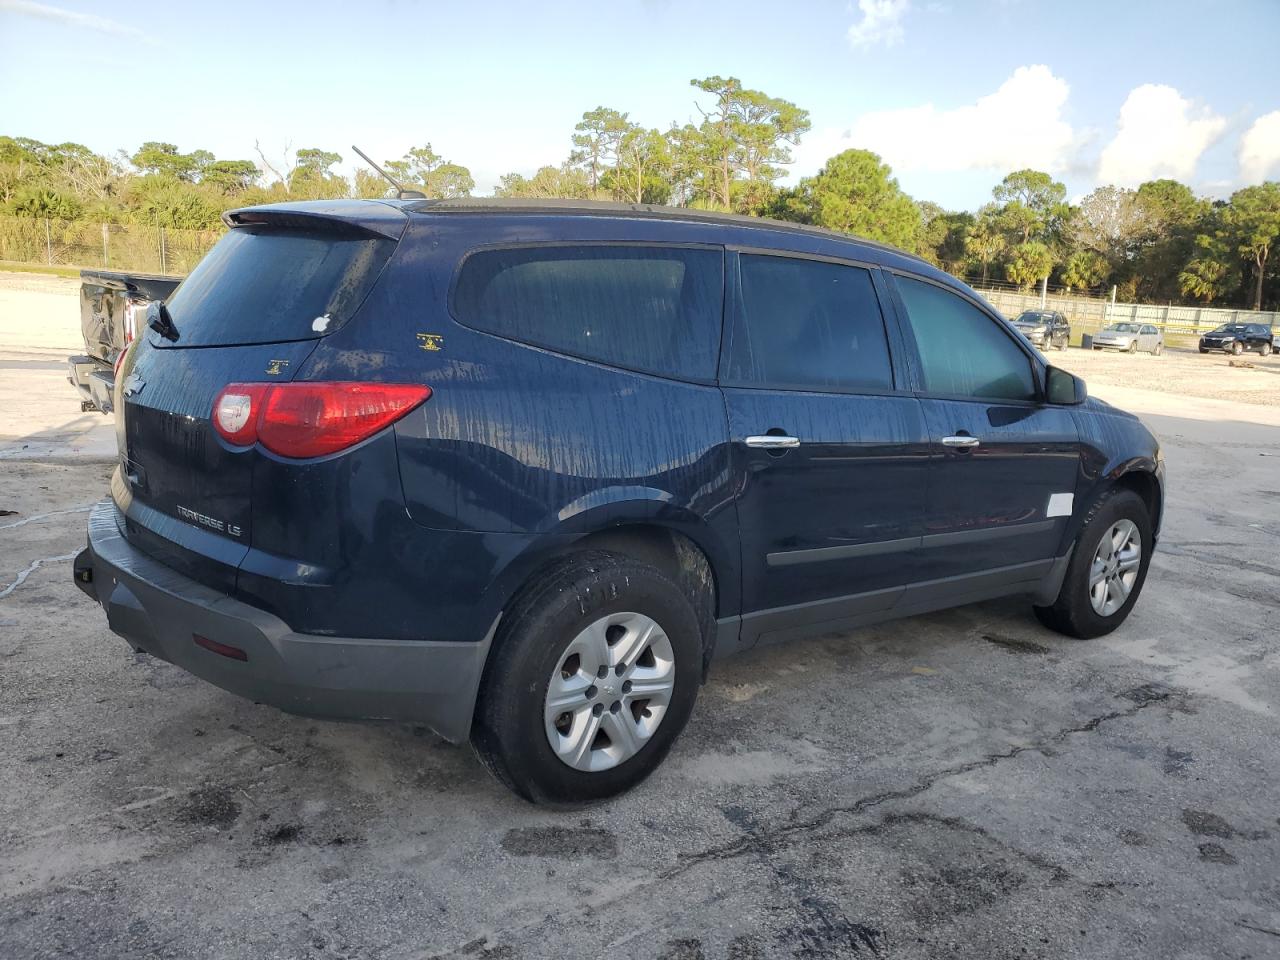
(162, 612)
(93, 380)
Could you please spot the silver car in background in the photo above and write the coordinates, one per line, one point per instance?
(1130, 337)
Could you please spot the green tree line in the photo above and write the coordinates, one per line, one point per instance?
(1157, 243)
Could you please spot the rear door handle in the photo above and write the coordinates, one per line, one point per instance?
(772, 442)
(964, 443)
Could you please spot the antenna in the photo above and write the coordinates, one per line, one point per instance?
(401, 192)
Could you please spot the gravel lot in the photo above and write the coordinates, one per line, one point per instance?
(1185, 372)
(963, 784)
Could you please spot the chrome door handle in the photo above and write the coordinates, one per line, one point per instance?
(964, 443)
(773, 443)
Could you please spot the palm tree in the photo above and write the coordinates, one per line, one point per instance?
(985, 243)
(1202, 278)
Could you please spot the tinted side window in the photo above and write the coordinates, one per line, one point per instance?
(808, 325)
(962, 350)
(647, 307)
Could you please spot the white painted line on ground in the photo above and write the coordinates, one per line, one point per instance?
(46, 516)
(35, 564)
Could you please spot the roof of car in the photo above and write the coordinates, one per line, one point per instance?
(503, 205)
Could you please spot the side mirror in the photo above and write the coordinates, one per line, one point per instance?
(1064, 388)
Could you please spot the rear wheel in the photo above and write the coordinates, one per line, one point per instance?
(1265, 350)
(1107, 569)
(594, 673)
(1158, 349)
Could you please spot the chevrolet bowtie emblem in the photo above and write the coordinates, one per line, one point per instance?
(133, 385)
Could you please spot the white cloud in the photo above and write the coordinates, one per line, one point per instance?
(88, 21)
(881, 23)
(1160, 134)
(1019, 125)
(1260, 149)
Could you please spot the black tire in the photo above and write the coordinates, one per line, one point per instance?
(1204, 350)
(1237, 348)
(1157, 349)
(509, 735)
(1071, 613)
(1265, 350)
(1133, 346)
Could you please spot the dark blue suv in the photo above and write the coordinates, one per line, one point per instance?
(521, 472)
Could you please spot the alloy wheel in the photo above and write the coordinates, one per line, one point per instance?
(1115, 566)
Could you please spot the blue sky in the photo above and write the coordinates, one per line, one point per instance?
(952, 93)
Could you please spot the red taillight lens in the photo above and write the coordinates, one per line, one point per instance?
(304, 420)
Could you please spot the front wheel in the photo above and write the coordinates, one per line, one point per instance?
(594, 673)
(1107, 568)
(1133, 346)
(1237, 348)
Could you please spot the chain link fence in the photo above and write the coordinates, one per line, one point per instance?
(131, 247)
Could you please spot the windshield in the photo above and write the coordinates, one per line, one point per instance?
(1232, 328)
(1033, 318)
(266, 285)
(1124, 327)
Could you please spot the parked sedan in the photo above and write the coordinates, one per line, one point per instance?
(1044, 328)
(1238, 337)
(1130, 337)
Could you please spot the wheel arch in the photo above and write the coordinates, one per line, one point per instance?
(651, 529)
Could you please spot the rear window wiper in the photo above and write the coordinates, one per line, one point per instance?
(161, 321)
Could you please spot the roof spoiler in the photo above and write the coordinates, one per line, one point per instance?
(350, 218)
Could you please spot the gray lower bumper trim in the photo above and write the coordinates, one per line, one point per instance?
(161, 611)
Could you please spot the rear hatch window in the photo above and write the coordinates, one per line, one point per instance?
(267, 285)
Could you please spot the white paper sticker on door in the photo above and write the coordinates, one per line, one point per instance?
(1060, 504)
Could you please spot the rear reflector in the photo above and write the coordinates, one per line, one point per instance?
(222, 649)
(303, 420)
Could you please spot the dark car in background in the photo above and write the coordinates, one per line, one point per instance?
(1044, 328)
(521, 472)
(1238, 338)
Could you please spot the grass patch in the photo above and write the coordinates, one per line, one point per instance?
(9, 266)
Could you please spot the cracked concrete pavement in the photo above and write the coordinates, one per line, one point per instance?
(964, 784)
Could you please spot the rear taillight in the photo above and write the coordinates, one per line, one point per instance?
(132, 309)
(310, 419)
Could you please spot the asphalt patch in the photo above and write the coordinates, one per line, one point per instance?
(1016, 644)
(565, 843)
(1214, 853)
(211, 807)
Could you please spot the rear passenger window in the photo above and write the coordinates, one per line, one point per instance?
(963, 353)
(650, 308)
(810, 325)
